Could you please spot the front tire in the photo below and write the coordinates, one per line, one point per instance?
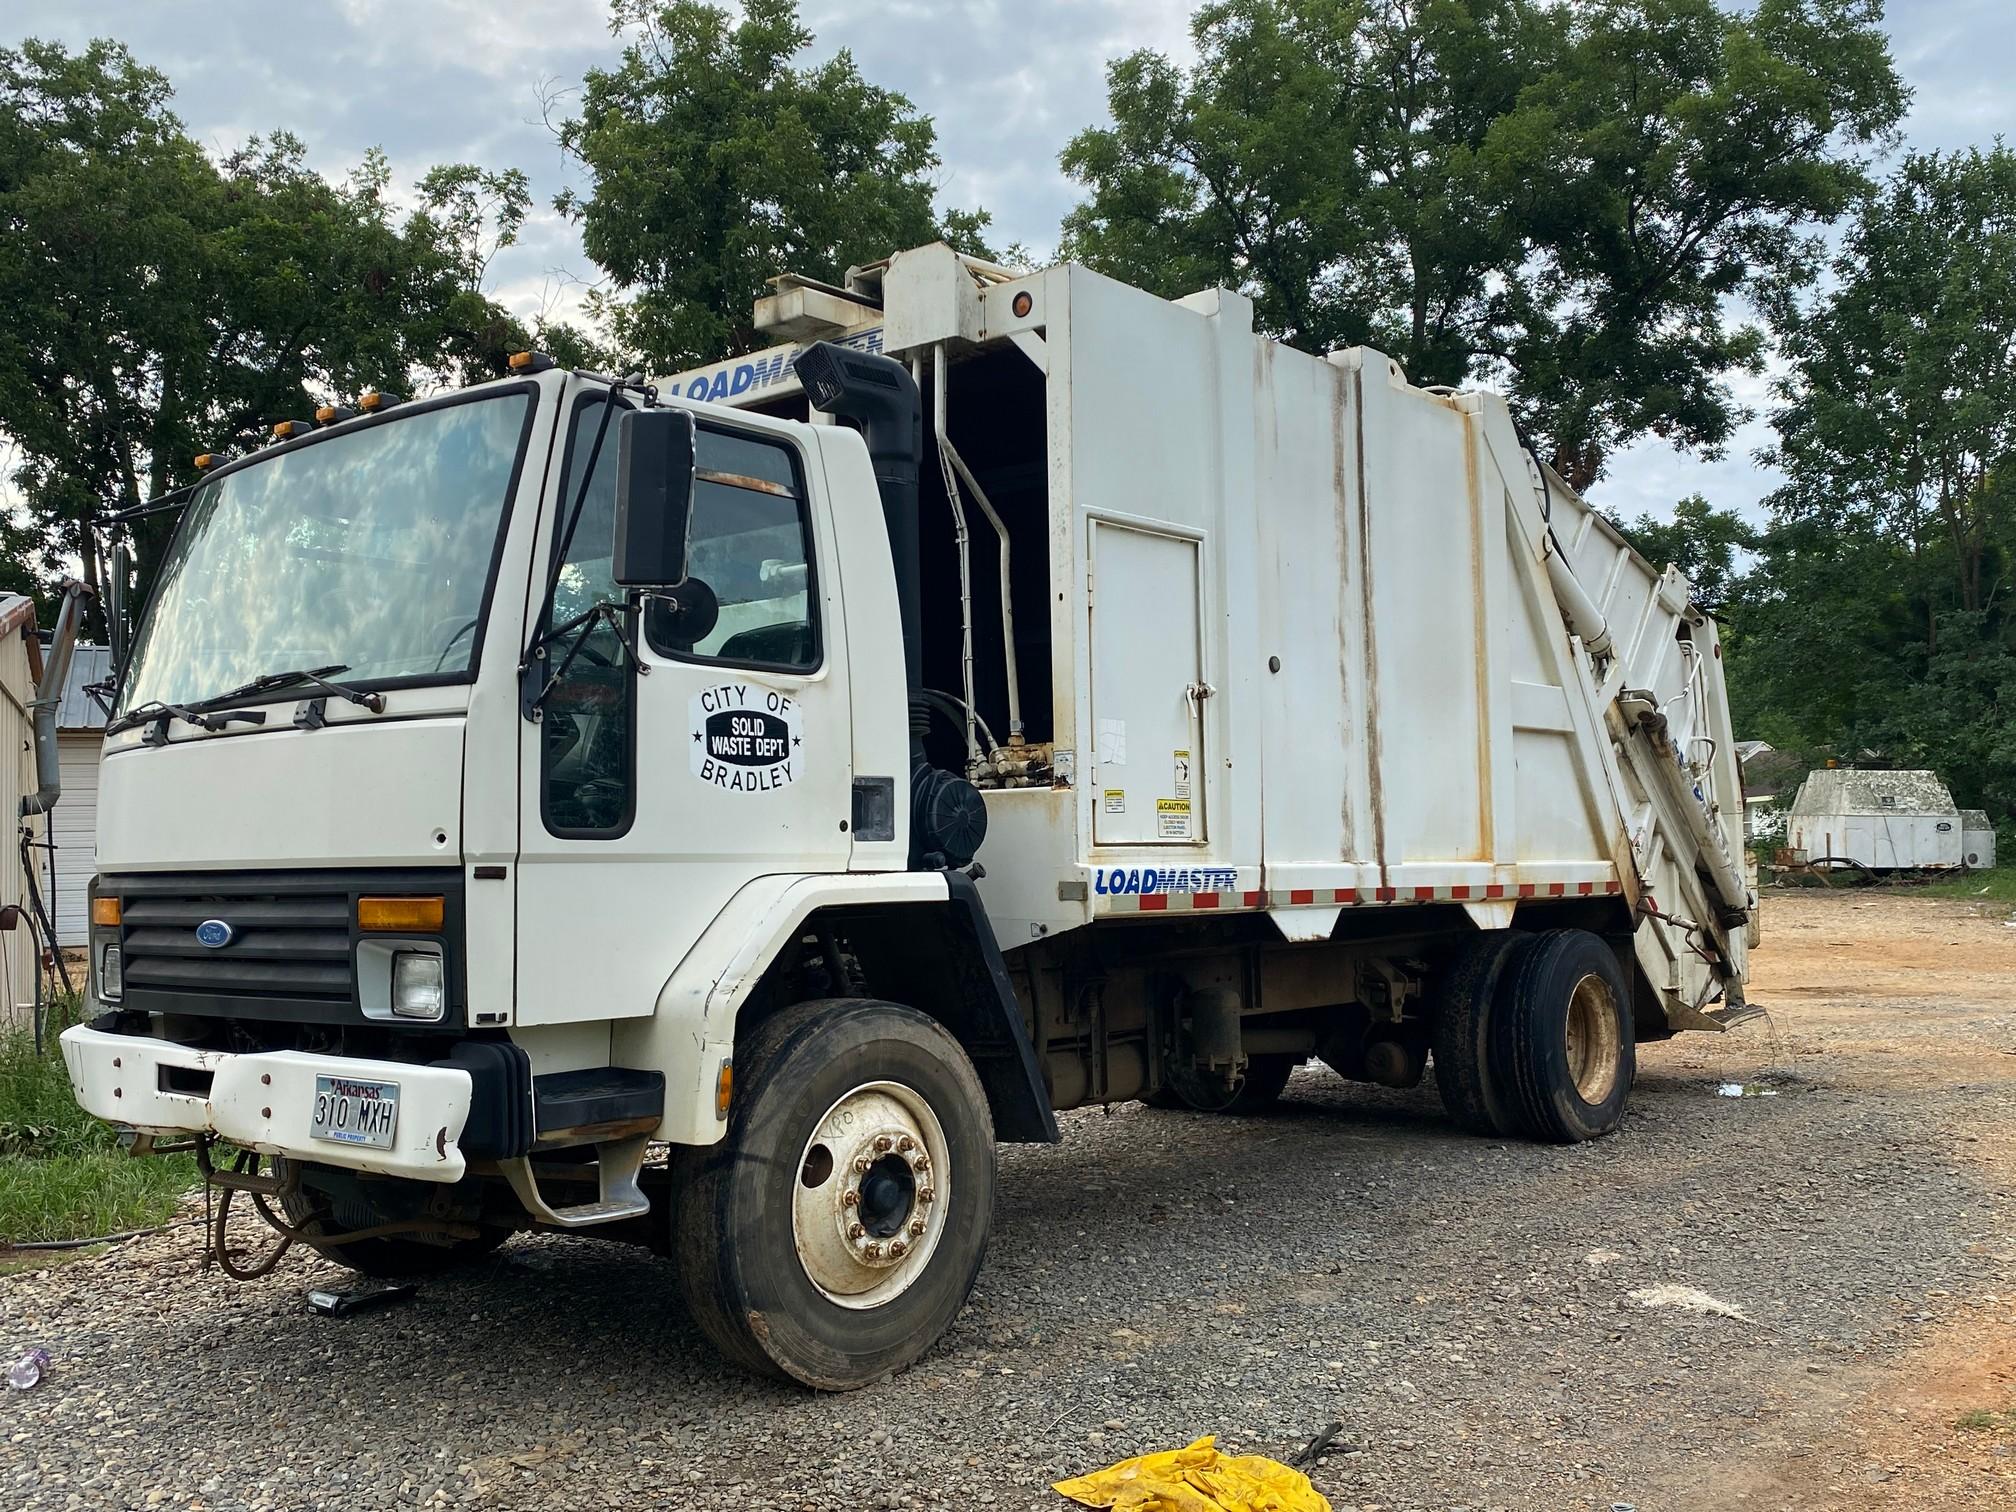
(835, 1232)
(1563, 1049)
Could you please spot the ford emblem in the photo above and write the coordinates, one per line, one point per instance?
(215, 933)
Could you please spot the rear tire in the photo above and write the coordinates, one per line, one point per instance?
(1460, 1023)
(1563, 1049)
(835, 1232)
(315, 1210)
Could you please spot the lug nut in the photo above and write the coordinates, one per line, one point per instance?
(855, 1231)
(906, 1144)
(861, 1165)
(872, 1251)
(925, 1194)
(920, 1163)
(897, 1249)
(917, 1228)
(883, 1142)
(849, 1197)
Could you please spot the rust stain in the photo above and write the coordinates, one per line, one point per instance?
(1374, 780)
(1340, 489)
(1480, 626)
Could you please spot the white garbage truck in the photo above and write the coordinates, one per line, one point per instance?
(713, 813)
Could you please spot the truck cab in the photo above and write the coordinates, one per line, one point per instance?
(426, 847)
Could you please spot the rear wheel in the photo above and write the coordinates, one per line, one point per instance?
(1562, 1048)
(1460, 1025)
(334, 1202)
(835, 1232)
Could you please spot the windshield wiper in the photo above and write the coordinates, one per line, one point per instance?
(314, 677)
(158, 714)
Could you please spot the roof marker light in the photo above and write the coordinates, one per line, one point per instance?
(376, 401)
(333, 414)
(528, 362)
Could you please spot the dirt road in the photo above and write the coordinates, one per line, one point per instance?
(1466, 1309)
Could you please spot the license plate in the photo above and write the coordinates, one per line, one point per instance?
(355, 1112)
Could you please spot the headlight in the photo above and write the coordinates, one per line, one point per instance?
(111, 979)
(419, 985)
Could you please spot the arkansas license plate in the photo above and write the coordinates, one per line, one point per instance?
(355, 1112)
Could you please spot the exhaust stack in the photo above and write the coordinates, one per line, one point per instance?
(948, 817)
(49, 699)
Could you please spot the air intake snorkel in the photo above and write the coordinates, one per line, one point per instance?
(948, 818)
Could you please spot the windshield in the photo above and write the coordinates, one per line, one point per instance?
(368, 552)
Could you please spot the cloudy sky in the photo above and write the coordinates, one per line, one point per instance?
(1008, 81)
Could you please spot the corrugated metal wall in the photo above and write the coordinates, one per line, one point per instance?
(17, 752)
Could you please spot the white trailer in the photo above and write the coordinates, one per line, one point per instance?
(1120, 706)
(1881, 820)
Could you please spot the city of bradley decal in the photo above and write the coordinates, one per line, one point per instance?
(746, 739)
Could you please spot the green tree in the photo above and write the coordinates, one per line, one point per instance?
(1705, 543)
(1880, 611)
(715, 163)
(161, 304)
(1561, 197)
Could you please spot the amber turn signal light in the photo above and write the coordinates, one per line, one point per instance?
(105, 911)
(406, 915)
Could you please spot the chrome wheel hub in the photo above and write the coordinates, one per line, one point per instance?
(868, 1204)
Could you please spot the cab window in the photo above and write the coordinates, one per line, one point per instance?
(588, 733)
(750, 542)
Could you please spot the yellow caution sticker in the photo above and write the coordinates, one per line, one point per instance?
(1172, 818)
(1116, 800)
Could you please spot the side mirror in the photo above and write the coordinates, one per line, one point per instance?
(115, 604)
(654, 497)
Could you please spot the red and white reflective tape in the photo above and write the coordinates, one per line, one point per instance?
(1349, 897)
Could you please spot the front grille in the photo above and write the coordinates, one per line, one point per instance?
(291, 955)
(282, 945)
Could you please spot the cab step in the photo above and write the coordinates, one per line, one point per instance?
(618, 1164)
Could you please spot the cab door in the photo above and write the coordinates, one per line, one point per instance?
(653, 792)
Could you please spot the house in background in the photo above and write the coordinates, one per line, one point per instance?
(1766, 770)
(80, 731)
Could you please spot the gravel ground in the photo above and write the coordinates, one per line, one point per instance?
(1462, 1307)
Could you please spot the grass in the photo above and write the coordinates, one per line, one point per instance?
(62, 1173)
(1997, 886)
(1982, 1420)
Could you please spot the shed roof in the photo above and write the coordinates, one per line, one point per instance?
(1847, 790)
(1974, 819)
(79, 710)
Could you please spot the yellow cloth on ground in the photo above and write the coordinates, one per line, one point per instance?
(1197, 1479)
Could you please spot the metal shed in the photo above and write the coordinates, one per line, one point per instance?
(80, 732)
(20, 668)
(1977, 840)
(1886, 821)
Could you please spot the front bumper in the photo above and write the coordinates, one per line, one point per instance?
(265, 1101)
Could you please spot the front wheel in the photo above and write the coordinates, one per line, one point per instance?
(835, 1232)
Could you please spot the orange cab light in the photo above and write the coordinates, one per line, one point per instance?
(330, 414)
(409, 915)
(286, 430)
(528, 362)
(207, 460)
(375, 401)
(105, 911)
